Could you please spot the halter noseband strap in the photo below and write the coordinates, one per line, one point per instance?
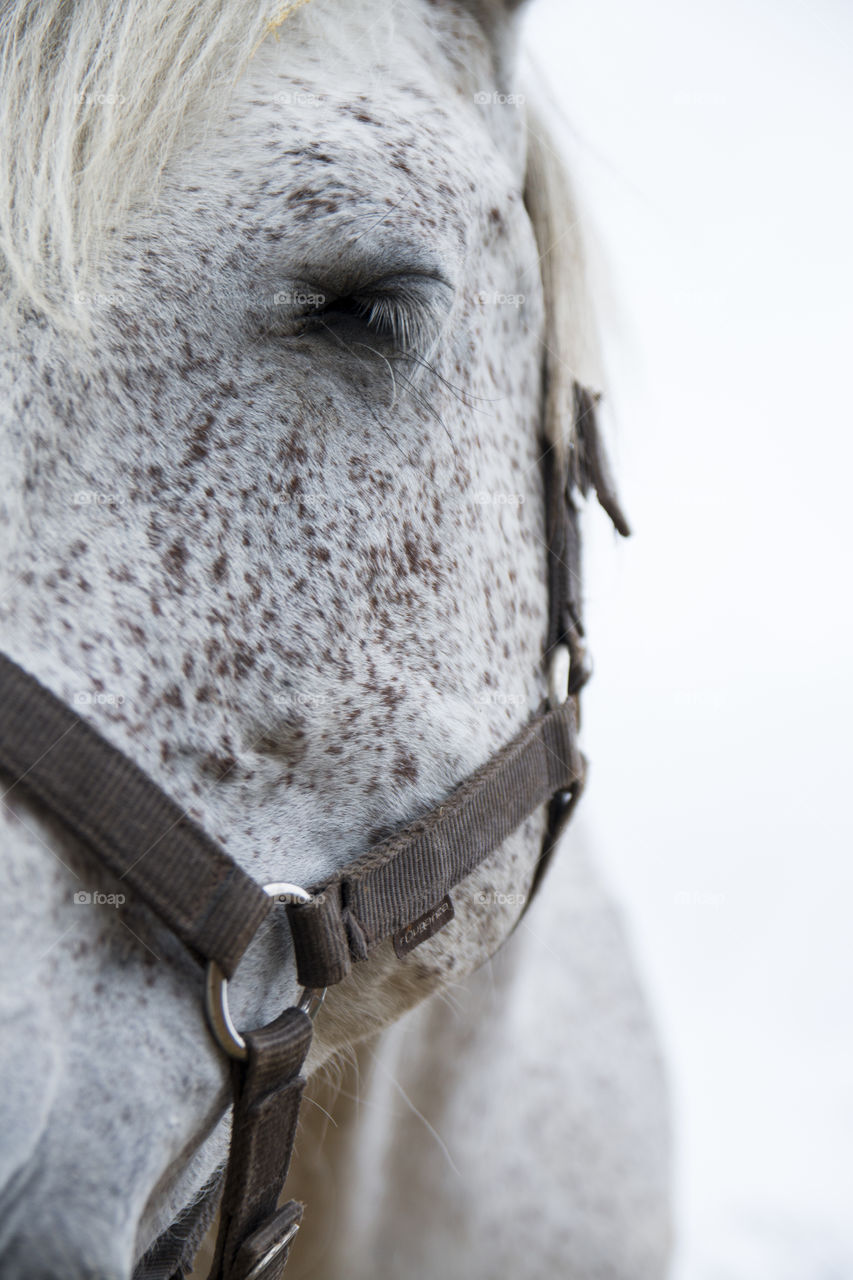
(144, 838)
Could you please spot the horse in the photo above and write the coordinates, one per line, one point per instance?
(291, 300)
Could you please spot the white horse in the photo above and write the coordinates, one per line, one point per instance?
(297, 573)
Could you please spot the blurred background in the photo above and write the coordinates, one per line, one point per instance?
(710, 143)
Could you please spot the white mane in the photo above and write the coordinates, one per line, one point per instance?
(572, 341)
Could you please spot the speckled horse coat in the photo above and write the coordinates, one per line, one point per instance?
(274, 525)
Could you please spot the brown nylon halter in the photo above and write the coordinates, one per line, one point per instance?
(145, 839)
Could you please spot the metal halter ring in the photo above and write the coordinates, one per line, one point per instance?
(216, 989)
(559, 668)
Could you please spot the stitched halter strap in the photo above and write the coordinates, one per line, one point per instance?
(404, 876)
(144, 838)
(126, 821)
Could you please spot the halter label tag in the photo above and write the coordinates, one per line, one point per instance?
(405, 940)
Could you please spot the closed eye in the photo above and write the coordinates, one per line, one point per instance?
(406, 313)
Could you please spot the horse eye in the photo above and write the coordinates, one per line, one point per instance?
(349, 307)
(406, 311)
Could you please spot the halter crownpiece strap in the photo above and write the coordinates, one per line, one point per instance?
(143, 837)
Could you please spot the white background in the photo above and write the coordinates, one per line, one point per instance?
(712, 146)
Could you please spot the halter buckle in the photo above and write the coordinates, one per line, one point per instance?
(260, 1268)
(218, 1013)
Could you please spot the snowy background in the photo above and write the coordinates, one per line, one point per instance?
(711, 144)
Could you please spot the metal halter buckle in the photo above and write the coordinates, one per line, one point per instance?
(260, 1267)
(216, 988)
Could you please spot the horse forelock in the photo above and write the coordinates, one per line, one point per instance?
(94, 99)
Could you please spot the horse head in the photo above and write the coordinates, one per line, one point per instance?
(281, 336)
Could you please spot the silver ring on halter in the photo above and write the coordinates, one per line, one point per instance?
(216, 988)
(559, 667)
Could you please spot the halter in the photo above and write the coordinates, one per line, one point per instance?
(398, 889)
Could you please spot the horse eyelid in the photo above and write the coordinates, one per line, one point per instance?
(404, 309)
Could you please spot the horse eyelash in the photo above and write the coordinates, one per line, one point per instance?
(403, 315)
(389, 316)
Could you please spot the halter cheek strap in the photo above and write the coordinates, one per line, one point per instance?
(135, 830)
